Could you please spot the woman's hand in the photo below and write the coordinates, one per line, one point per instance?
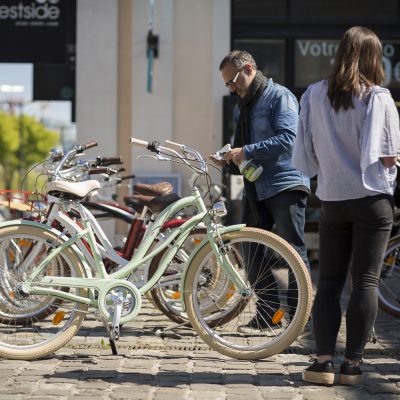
(388, 162)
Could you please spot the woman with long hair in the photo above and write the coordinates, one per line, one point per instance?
(349, 137)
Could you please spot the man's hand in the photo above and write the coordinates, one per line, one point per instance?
(235, 155)
(220, 163)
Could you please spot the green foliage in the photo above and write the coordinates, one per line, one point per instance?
(24, 141)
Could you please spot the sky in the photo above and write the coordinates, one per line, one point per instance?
(16, 84)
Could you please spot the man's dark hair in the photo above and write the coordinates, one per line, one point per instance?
(238, 58)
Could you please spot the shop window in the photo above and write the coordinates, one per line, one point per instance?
(269, 55)
(314, 60)
(391, 63)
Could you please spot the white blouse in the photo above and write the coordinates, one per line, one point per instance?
(344, 148)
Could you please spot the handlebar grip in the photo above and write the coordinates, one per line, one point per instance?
(89, 145)
(138, 142)
(102, 170)
(80, 148)
(127, 177)
(174, 145)
(105, 161)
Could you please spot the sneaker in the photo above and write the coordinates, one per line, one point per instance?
(321, 373)
(257, 325)
(350, 374)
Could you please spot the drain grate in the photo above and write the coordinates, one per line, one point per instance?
(168, 347)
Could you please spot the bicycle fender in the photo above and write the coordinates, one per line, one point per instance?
(222, 230)
(54, 231)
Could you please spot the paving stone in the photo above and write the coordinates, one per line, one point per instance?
(210, 395)
(187, 370)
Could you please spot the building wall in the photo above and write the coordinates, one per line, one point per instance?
(201, 38)
(96, 74)
(186, 100)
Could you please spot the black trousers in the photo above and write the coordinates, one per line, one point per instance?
(353, 238)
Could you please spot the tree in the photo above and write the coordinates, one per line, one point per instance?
(24, 141)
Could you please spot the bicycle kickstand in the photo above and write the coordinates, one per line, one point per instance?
(113, 329)
(162, 332)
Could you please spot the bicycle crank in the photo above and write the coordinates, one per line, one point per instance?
(119, 302)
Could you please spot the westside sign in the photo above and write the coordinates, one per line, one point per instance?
(36, 31)
(40, 12)
(314, 59)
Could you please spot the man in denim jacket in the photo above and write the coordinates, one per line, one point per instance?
(266, 124)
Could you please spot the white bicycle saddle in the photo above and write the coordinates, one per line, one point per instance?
(78, 189)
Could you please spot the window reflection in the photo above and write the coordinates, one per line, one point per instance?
(269, 55)
(314, 60)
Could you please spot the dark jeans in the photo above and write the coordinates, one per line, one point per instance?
(285, 211)
(353, 237)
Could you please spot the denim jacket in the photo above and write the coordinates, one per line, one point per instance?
(273, 126)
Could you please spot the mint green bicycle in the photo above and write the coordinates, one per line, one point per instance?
(41, 266)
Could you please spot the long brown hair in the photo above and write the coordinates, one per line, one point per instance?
(358, 62)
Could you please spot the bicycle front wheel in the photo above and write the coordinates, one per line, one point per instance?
(273, 312)
(389, 285)
(35, 326)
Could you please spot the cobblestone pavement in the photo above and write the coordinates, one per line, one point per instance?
(149, 367)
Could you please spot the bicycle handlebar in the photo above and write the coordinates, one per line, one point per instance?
(182, 152)
(78, 149)
(81, 148)
(138, 142)
(102, 170)
(106, 161)
(174, 145)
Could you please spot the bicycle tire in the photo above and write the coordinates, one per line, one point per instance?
(389, 284)
(279, 259)
(35, 337)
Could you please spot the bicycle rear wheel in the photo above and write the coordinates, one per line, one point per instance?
(166, 295)
(286, 299)
(389, 285)
(34, 326)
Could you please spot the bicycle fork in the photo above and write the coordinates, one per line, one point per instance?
(222, 251)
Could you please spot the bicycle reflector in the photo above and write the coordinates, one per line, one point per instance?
(58, 317)
(278, 316)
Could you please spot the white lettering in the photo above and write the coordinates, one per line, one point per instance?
(396, 71)
(388, 50)
(3, 12)
(29, 12)
(387, 66)
(317, 49)
(303, 46)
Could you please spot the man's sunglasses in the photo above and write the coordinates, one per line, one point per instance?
(233, 81)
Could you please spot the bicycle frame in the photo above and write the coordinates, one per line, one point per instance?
(176, 239)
